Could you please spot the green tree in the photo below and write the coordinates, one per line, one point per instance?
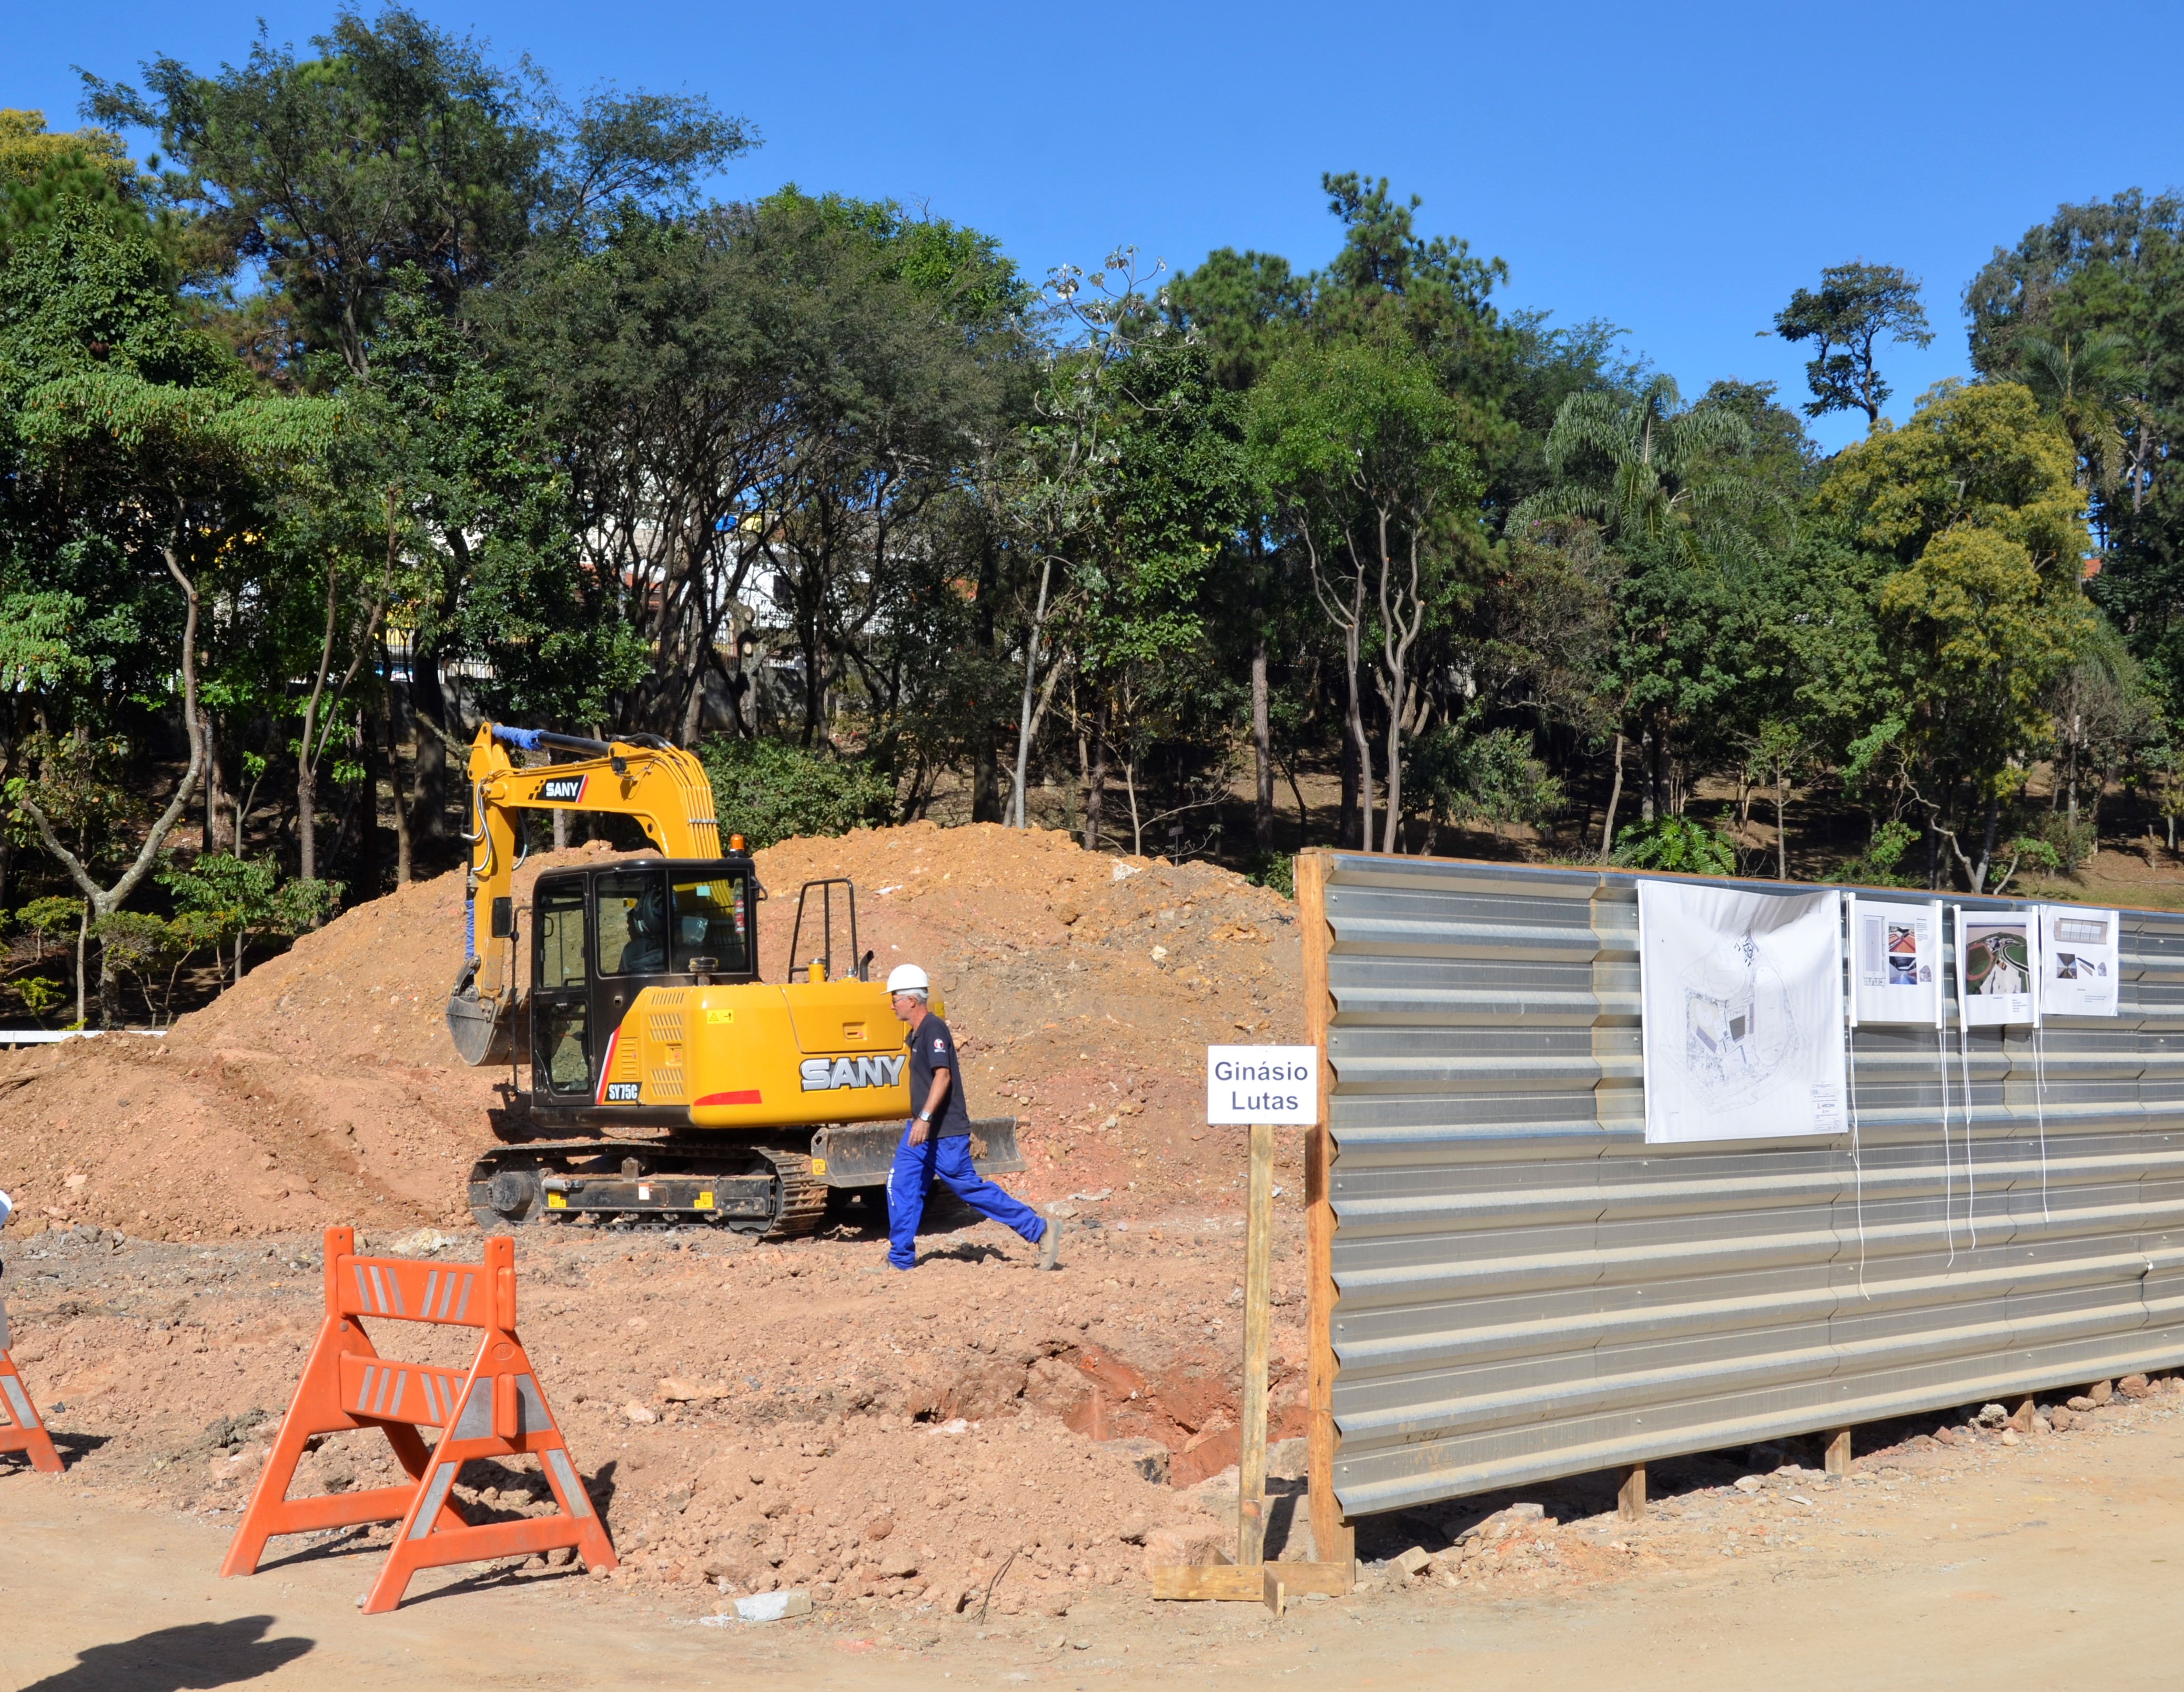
(1854, 306)
(1974, 503)
(1358, 441)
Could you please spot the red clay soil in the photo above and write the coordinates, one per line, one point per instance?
(748, 1416)
(324, 1089)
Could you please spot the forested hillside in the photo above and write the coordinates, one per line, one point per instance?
(392, 391)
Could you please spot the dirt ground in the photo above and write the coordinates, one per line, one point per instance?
(1083, 988)
(887, 1442)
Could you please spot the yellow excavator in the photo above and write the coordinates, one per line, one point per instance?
(668, 1081)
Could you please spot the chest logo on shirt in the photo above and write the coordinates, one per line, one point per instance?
(820, 1074)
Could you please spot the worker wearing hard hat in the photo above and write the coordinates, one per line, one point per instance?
(936, 1142)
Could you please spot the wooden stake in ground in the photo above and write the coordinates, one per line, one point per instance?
(1285, 1080)
(1258, 1313)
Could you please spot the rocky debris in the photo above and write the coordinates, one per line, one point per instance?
(2134, 1386)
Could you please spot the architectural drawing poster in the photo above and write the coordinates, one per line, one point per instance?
(1895, 961)
(1998, 974)
(2079, 957)
(1743, 1003)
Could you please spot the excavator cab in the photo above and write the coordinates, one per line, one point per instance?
(601, 936)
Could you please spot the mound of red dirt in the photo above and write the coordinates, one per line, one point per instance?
(324, 1089)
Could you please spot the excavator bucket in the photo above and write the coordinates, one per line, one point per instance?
(479, 1027)
(860, 1153)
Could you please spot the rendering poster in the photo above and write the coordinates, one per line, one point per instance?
(2081, 954)
(1895, 961)
(1743, 1002)
(1997, 981)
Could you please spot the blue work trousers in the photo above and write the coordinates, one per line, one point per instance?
(949, 1161)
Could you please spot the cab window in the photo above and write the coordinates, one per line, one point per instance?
(633, 917)
(712, 919)
(560, 938)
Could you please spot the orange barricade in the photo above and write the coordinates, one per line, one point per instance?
(20, 1427)
(497, 1410)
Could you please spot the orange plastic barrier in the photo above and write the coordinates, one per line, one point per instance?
(497, 1410)
(21, 1428)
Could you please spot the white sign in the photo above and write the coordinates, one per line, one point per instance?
(1743, 995)
(1262, 1084)
(1895, 961)
(1998, 968)
(2080, 961)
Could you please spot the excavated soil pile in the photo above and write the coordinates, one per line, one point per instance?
(323, 1089)
(756, 1415)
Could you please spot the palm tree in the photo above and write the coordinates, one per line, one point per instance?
(1638, 465)
(2089, 387)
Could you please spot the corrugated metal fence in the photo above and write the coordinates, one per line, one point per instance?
(1525, 1288)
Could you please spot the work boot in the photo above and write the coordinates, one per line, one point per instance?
(1050, 1244)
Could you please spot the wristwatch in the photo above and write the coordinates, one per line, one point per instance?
(925, 1116)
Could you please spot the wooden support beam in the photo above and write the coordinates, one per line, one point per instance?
(1236, 1582)
(1631, 1497)
(1272, 1592)
(1836, 1459)
(1258, 1320)
(1333, 1538)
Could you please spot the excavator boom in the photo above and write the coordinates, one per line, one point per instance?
(662, 787)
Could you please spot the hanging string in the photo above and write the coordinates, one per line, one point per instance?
(1949, 1183)
(2040, 1108)
(1971, 1177)
(1856, 1161)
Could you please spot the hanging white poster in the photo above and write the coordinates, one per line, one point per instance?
(1743, 1003)
(2079, 956)
(1895, 961)
(1997, 976)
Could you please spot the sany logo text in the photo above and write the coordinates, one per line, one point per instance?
(819, 1074)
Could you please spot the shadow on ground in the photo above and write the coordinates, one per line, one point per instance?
(205, 1654)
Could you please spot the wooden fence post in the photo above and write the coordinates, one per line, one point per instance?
(1333, 1538)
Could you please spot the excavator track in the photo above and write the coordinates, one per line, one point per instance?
(766, 1190)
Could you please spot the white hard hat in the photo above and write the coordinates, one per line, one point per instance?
(908, 978)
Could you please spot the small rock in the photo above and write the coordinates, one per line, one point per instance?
(2009, 1435)
(1943, 1436)
(1412, 1561)
(1069, 914)
(1133, 1530)
(2134, 1386)
(1991, 1415)
(773, 1606)
(900, 1564)
(2082, 1403)
(1747, 1483)
(1148, 1457)
(2101, 1392)
(677, 1392)
(641, 1414)
(878, 1528)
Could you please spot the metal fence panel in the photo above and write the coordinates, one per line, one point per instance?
(1524, 1288)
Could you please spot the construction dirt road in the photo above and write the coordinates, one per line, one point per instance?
(969, 1468)
(2053, 1558)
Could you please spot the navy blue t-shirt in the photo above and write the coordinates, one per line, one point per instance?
(932, 1046)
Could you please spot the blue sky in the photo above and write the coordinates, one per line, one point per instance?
(1676, 169)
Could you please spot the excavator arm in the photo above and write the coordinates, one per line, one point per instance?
(662, 786)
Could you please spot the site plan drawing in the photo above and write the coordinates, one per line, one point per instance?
(1743, 1012)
